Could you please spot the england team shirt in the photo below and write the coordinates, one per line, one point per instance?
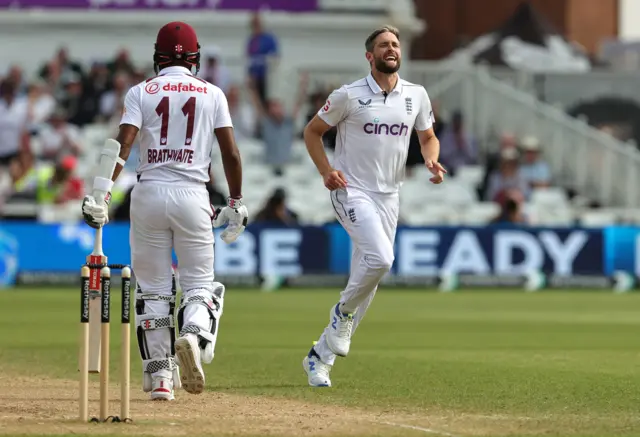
(374, 129)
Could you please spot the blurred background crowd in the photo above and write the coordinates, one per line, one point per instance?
(52, 123)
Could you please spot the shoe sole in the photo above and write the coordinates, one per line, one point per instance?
(306, 371)
(192, 377)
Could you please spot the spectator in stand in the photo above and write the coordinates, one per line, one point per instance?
(213, 71)
(112, 102)
(275, 210)
(57, 184)
(58, 137)
(534, 169)
(41, 104)
(262, 49)
(59, 67)
(80, 106)
(12, 181)
(492, 160)
(121, 64)
(16, 75)
(98, 77)
(506, 176)
(95, 85)
(54, 80)
(511, 209)
(278, 126)
(457, 145)
(14, 123)
(243, 114)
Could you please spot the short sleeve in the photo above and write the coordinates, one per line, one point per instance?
(223, 116)
(545, 172)
(132, 112)
(425, 118)
(335, 108)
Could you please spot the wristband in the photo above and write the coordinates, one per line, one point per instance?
(234, 203)
(102, 184)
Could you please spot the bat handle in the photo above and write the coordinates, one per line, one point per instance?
(97, 244)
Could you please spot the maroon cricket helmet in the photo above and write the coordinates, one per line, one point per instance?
(176, 43)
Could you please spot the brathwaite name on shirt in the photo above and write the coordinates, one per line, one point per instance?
(156, 156)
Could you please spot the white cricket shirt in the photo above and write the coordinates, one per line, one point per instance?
(374, 131)
(176, 113)
(13, 122)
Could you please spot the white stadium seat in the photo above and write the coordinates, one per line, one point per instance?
(480, 213)
(470, 175)
(598, 218)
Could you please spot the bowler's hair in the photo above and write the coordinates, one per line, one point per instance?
(379, 31)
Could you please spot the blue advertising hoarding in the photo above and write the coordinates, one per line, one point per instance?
(27, 247)
(622, 249)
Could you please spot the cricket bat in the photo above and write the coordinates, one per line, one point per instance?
(109, 157)
(95, 295)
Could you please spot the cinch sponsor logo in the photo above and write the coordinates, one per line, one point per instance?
(184, 87)
(385, 129)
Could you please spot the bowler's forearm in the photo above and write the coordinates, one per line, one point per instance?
(315, 147)
(430, 149)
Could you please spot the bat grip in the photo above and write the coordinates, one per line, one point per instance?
(97, 244)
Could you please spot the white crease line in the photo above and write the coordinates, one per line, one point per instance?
(419, 428)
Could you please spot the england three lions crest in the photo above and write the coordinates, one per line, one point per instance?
(409, 105)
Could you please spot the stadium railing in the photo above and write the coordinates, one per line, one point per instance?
(592, 162)
(563, 89)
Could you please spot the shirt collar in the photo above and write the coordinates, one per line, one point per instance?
(376, 88)
(173, 70)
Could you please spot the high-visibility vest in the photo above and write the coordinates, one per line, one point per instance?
(117, 195)
(45, 193)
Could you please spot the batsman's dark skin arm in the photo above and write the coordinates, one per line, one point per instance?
(126, 137)
(230, 160)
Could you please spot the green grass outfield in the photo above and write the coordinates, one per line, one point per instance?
(554, 363)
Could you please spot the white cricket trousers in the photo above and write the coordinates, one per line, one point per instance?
(165, 217)
(371, 220)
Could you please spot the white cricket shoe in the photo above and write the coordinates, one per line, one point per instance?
(162, 389)
(339, 331)
(317, 371)
(188, 355)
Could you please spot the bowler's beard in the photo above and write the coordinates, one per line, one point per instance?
(382, 66)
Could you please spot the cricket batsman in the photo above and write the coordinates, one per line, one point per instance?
(374, 118)
(178, 116)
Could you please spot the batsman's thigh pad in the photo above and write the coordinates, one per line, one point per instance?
(151, 239)
(155, 320)
(200, 314)
(190, 214)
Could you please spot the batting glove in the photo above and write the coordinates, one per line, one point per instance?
(235, 215)
(96, 214)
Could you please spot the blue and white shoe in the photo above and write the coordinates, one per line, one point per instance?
(317, 371)
(339, 332)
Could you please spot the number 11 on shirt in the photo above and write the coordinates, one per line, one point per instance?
(189, 111)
